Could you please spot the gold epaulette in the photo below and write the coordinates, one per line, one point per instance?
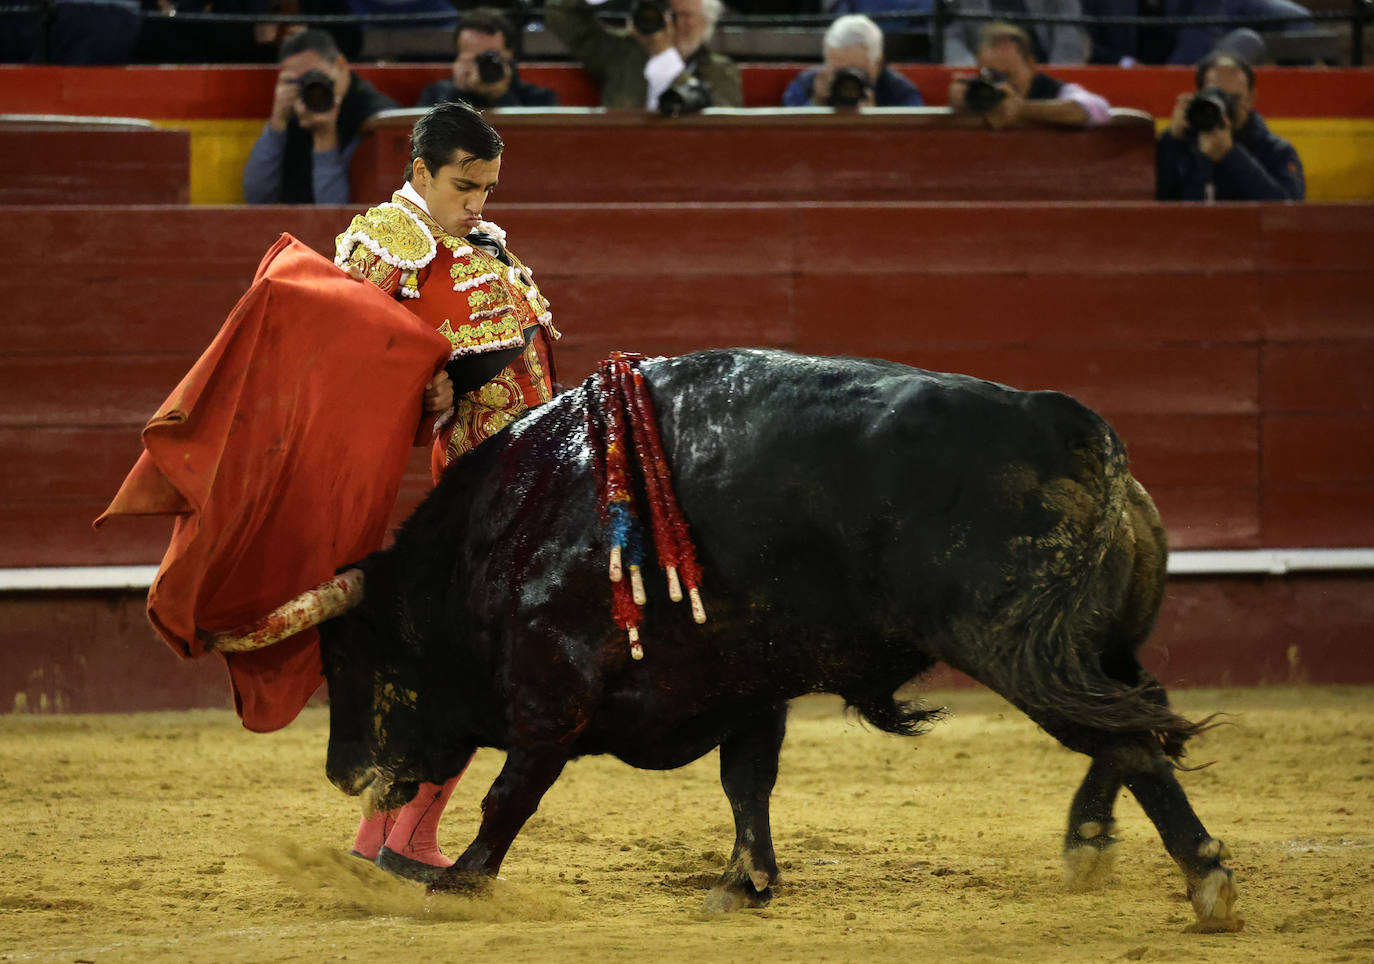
(387, 239)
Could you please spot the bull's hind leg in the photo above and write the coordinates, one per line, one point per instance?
(1089, 847)
(1198, 854)
(1149, 775)
(1089, 844)
(512, 799)
(748, 770)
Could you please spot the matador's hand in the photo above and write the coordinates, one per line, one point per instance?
(439, 393)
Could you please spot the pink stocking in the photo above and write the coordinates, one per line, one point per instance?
(415, 834)
(372, 834)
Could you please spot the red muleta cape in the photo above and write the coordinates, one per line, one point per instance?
(280, 454)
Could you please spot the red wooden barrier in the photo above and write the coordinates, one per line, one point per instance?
(95, 653)
(911, 155)
(93, 165)
(1231, 347)
(198, 92)
(1249, 430)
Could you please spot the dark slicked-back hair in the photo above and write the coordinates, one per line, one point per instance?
(448, 128)
(319, 41)
(1220, 58)
(488, 21)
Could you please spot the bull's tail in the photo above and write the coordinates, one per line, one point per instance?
(1072, 643)
(893, 715)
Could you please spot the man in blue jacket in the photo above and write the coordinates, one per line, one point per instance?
(303, 154)
(1239, 159)
(854, 44)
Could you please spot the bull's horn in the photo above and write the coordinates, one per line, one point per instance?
(310, 608)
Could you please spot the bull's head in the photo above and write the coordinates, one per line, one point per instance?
(351, 764)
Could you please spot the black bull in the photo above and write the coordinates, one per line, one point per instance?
(857, 522)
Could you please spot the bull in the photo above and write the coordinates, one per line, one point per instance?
(857, 522)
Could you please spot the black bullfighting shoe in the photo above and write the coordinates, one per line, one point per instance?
(407, 868)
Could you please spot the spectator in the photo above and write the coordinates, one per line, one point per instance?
(855, 43)
(302, 155)
(79, 33)
(1239, 160)
(1050, 43)
(486, 32)
(635, 69)
(1163, 43)
(1028, 96)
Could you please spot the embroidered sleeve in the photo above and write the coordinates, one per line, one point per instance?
(374, 269)
(390, 245)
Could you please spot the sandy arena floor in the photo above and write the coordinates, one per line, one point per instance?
(182, 837)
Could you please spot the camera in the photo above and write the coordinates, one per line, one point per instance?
(317, 91)
(981, 93)
(1209, 109)
(648, 17)
(491, 66)
(849, 87)
(687, 96)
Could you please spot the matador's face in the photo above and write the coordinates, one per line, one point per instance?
(456, 192)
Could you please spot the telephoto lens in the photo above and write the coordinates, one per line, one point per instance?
(1209, 109)
(981, 94)
(491, 66)
(848, 88)
(317, 91)
(648, 17)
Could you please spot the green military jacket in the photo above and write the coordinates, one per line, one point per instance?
(617, 60)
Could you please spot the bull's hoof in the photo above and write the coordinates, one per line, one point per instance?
(723, 899)
(737, 889)
(1089, 855)
(1214, 899)
(1213, 891)
(461, 882)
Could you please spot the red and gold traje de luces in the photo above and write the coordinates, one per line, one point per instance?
(472, 298)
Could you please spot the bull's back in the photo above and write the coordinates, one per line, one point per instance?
(837, 496)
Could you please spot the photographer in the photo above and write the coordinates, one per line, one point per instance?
(854, 56)
(318, 107)
(1010, 92)
(484, 67)
(1217, 147)
(664, 48)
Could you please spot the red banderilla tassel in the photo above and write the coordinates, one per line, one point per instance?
(666, 512)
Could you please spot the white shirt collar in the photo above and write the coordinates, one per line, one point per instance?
(408, 192)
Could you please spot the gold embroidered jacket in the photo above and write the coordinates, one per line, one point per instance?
(479, 303)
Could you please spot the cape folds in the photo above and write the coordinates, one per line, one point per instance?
(280, 454)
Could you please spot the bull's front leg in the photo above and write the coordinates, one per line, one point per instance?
(512, 800)
(748, 770)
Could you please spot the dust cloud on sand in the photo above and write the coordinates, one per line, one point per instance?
(182, 837)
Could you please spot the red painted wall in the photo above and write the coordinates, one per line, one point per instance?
(1232, 347)
(786, 156)
(95, 652)
(246, 91)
